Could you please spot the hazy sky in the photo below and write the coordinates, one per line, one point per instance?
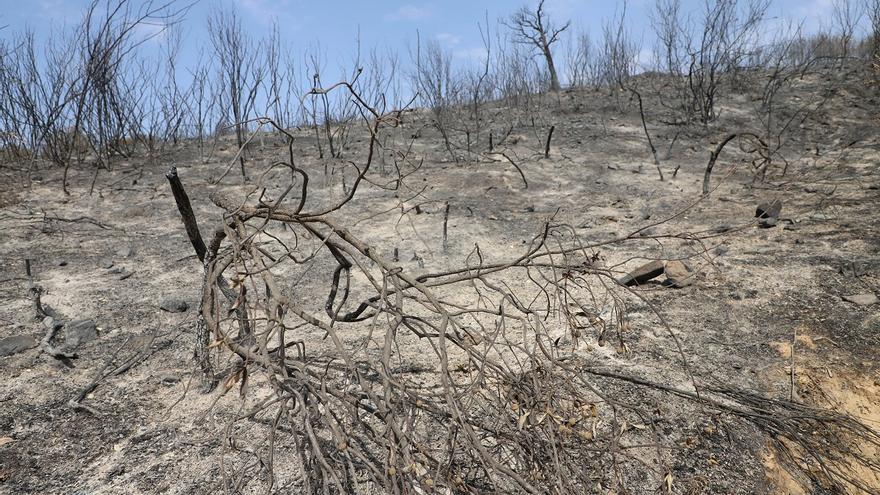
(334, 24)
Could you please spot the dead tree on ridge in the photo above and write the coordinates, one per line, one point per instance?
(535, 28)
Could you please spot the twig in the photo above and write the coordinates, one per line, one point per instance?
(521, 174)
(186, 213)
(791, 391)
(445, 224)
(714, 155)
(547, 145)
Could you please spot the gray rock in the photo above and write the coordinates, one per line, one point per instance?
(766, 223)
(678, 275)
(15, 344)
(173, 305)
(861, 299)
(169, 378)
(768, 210)
(49, 322)
(125, 252)
(642, 274)
(79, 332)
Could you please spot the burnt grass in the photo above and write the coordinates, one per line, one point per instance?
(150, 430)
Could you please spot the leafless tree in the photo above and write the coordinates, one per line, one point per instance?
(534, 28)
(241, 71)
(437, 87)
(874, 14)
(619, 51)
(846, 16)
(584, 61)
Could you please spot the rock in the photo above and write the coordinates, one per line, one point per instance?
(642, 274)
(768, 213)
(79, 332)
(769, 210)
(173, 305)
(108, 264)
(678, 275)
(49, 322)
(15, 344)
(861, 299)
(766, 223)
(61, 263)
(169, 378)
(126, 252)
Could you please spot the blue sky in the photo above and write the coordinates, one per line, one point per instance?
(334, 25)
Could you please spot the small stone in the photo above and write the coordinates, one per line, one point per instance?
(62, 263)
(15, 344)
(49, 322)
(173, 305)
(766, 223)
(108, 264)
(769, 210)
(169, 378)
(861, 299)
(642, 274)
(79, 332)
(126, 252)
(678, 275)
